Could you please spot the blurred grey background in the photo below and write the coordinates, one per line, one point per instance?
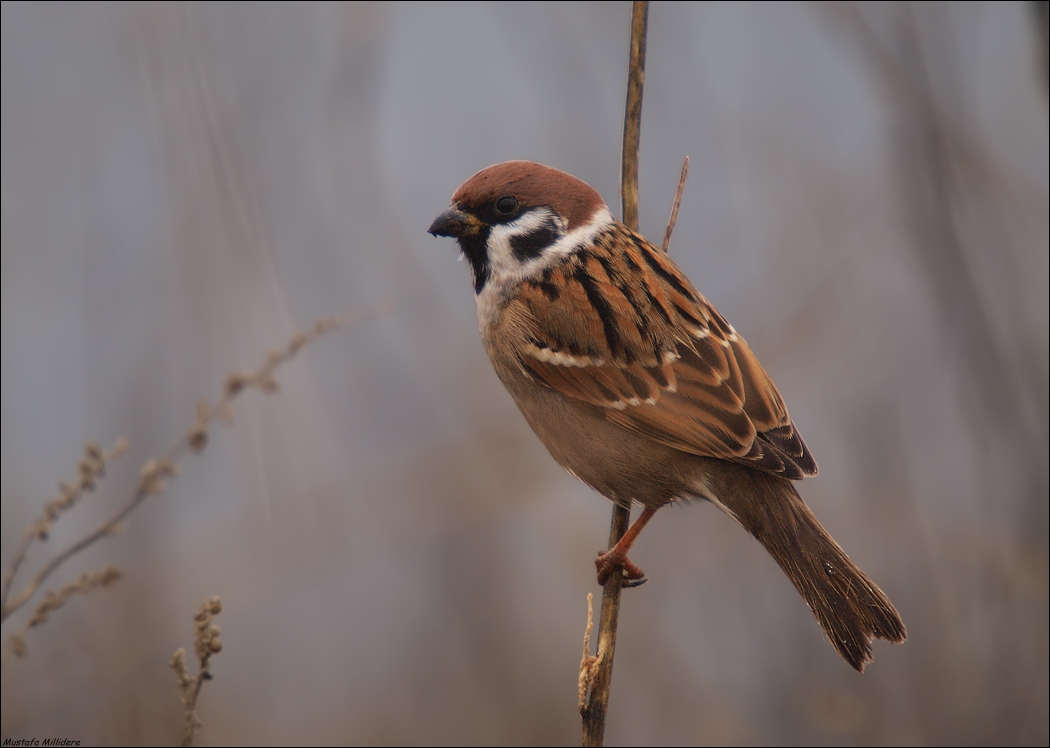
(400, 561)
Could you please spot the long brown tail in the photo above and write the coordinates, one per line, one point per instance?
(851, 608)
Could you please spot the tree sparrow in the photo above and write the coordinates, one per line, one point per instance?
(639, 388)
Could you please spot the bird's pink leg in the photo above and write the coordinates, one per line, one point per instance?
(617, 555)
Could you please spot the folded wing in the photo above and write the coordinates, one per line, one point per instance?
(654, 354)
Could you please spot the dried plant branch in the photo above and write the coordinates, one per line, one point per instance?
(597, 704)
(156, 472)
(588, 662)
(107, 576)
(674, 208)
(91, 468)
(207, 641)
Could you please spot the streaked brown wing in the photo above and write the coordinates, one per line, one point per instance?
(655, 354)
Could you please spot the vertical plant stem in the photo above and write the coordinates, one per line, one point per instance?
(632, 118)
(596, 709)
(598, 700)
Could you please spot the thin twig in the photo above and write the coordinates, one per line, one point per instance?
(677, 201)
(596, 708)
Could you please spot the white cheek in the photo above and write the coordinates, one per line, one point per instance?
(504, 264)
(507, 267)
(507, 270)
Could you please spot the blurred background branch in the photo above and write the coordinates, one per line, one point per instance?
(152, 479)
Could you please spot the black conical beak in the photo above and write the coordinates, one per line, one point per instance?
(454, 222)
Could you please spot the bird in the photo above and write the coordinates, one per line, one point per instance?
(637, 386)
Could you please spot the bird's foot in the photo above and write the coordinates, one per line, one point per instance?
(608, 561)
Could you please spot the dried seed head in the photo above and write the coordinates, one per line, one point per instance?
(236, 382)
(197, 439)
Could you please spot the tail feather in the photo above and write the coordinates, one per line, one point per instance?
(850, 608)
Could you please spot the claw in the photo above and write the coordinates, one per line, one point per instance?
(616, 557)
(608, 561)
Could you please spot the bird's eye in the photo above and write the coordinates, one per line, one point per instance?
(506, 205)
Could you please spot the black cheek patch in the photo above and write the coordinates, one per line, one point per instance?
(530, 246)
